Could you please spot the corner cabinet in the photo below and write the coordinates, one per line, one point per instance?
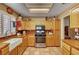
(74, 19)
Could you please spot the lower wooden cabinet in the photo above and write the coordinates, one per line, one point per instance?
(4, 49)
(66, 49)
(23, 46)
(21, 49)
(31, 41)
(57, 37)
(14, 51)
(49, 41)
(69, 50)
(66, 46)
(74, 51)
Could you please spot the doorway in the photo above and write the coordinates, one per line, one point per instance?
(67, 27)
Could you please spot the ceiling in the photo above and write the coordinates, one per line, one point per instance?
(39, 7)
(54, 9)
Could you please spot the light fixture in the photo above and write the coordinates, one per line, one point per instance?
(37, 10)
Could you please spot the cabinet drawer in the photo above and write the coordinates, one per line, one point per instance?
(74, 51)
(66, 46)
(5, 50)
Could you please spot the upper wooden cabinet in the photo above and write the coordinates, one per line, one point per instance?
(74, 18)
(30, 25)
(48, 25)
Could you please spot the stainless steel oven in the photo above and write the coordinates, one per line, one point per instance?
(40, 36)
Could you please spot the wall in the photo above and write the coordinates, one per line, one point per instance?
(67, 21)
(4, 8)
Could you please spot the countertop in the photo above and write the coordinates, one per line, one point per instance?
(72, 42)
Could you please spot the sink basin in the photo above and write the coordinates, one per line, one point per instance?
(13, 42)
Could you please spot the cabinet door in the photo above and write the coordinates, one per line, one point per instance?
(57, 24)
(65, 51)
(74, 51)
(31, 41)
(49, 41)
(48, 25)
(5, 50)
(57, 38)
(25, 41)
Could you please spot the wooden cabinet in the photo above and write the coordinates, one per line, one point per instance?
(66, 46)
(4, 49)
(57, 38)
(21, 49)
(74, 19)
(23, 46)
(56, 24)
(31, 40)
(48, 25)
(66, 49)
(56, 32)
(74, 51)
(70, 47)
(14, 51)
(49, 41)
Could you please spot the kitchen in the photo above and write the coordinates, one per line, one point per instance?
(39, 29)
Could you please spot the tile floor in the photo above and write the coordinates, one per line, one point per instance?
(43, 51)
